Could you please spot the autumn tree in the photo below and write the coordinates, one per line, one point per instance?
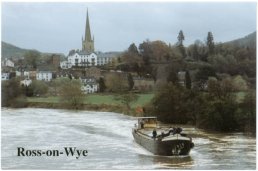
(116, 82)
(131, 60)
(71, 94)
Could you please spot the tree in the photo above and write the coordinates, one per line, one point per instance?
(71, 94)
(32, 58)
(39, 88)
(171, 104)
(57, 84)
(188, 83)
(127, 99)
(202, 75)
(219, 108)
(116, 82)
(180, 45)
(210, 43)
(172, 77)
(180, 37)
(248, 112)
(133, 49)
(12, 94)
(130, 81)
(131, 60)
(102, 86)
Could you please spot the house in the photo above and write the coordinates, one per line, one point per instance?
(44, 75)
(26, 82)
(89, 85)
(5, 76)
(82, 58)
(8, 63)
(65, 65)
(45, 72)
(181, 78)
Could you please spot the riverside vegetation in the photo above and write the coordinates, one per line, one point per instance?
(218, 91)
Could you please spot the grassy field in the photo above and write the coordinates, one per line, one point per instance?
(97, 99)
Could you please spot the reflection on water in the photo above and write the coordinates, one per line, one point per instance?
(107, 137)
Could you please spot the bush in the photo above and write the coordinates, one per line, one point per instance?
(171, 104)
(12, 93)
(71, 94)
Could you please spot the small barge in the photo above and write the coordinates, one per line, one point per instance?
(161, 141)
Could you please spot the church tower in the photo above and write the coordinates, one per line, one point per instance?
(88, 42)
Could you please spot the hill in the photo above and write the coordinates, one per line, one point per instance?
(11, 51)
(247, 41)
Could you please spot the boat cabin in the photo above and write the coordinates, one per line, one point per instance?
(147, 122)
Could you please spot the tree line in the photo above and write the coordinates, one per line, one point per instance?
(215, 75)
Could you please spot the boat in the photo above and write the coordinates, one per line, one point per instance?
(161, 140)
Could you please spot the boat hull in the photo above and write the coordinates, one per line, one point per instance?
(161, 146)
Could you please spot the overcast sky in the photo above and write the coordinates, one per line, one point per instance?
(59, 27)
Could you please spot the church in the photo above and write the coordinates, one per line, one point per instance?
(87, 56)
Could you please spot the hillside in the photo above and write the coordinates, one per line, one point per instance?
(11, 51)
(247, 41)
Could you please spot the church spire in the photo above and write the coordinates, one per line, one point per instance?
(88, 42)
(87, 28)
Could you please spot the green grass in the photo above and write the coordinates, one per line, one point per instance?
(143, 99)
(43, 99)
(97, 99)
(101, 99)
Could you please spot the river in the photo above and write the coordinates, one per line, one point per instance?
(107, 138)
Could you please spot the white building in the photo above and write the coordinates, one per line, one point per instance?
(26, 82)
(84, 59)
(26, 74)
(5, 76)
(44, 75)
(89, 85)
(65, 65)
(18, 73)
(87, 57)
(8, 63)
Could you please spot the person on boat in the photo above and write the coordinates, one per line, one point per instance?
(154, 133)
(162, 134)
(171, 130)
(179, 130)
(142, 124)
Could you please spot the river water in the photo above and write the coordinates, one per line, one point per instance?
(107, 138)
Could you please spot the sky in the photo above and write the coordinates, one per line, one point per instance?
(58, 27)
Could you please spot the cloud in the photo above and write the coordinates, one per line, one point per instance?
(58, 27)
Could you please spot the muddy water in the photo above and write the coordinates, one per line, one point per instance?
(108, 140)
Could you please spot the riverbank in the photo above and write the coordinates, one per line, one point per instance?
(92, 102)
(89, 107)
